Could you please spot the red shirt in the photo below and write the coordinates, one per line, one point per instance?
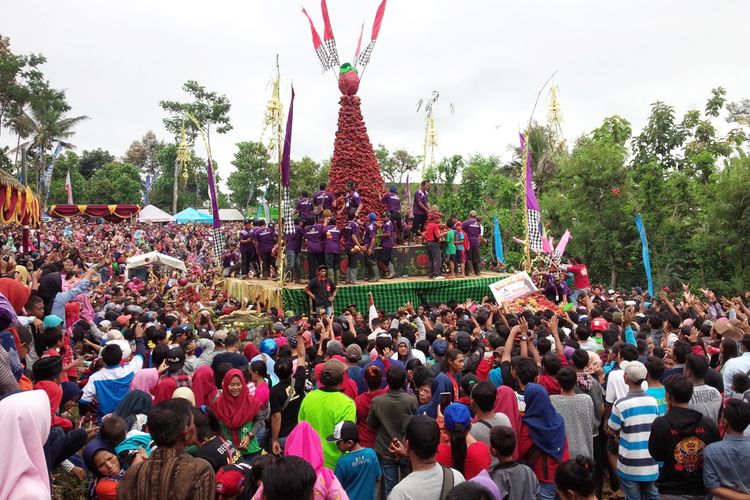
(477, 458)
(580, 276)
(363, 403)
(550, 383)
(524, 445)
(431, 231)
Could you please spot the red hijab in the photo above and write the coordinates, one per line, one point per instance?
(250, 351)
(203, 385)
(16, 292)
(234, 412)
(506, 402)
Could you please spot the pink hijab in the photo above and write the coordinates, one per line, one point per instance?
(506, 402)
(304, 442)
(24, 418)
(145, 380)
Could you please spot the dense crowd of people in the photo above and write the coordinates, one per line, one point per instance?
(131, 388)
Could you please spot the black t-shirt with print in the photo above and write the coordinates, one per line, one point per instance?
(282, 392)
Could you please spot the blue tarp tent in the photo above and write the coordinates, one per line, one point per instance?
(192, 215)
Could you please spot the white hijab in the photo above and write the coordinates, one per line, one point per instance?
(25, 424)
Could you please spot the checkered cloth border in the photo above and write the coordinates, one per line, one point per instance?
(333, 53)
(220, 241)
(364, 57)
(288, 213)
(391, 296)
(323, 57)
(534, 224)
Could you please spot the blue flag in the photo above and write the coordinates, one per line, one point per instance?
(498, 241)
(646, 258)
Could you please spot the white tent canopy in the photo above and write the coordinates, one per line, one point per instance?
(151, 213)
(155, 258)
(226, 214)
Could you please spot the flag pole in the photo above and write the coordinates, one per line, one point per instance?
(279, 150)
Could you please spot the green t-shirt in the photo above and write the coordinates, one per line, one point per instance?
(450, 248)
(323, 409)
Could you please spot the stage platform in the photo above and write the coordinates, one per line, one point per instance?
(388, 295)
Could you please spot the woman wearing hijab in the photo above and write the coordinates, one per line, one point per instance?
(145, 380)
(304, 442)
(445, 381)
(506, 402)
(542, 444)
(184, 393)
(239, 414)
(51, 291)
(24, 418)
(204, 387)
(106, 472)
(133, 409)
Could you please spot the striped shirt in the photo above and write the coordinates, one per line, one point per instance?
(632, 415)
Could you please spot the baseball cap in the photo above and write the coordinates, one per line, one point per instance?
(124, 319)
(344, 431)
(220, 336)
(635, 370)
(457, 414)
(52, 321)
(231, 478)
(176, 358)
(332, 369)
(353, 352)
(599, 324)
(440, 347)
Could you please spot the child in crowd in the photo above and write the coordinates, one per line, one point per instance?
(358, 469)
(517, 481)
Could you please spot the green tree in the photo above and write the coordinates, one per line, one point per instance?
(209, 108)
(253, 171)
(92, 161)
(143, 154)
(116, 183)
(307, 175)
(595, 175)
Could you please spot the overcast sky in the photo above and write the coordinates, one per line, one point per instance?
(117, 60)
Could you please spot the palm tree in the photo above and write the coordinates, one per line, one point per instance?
(45, 123)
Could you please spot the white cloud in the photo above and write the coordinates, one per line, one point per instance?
(489, 58)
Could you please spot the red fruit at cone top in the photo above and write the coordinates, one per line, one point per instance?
(182, 281)
(348, 80)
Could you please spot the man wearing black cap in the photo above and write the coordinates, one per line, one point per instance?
(322, 290)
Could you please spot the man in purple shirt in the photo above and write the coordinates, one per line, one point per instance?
(473, 229)
(352, 201)
(293, 252)
(304, 208)
(420, 209)
(371, 264)
(230, 260)
(392, 204)
(333, 249)
(315, 236)
(387, 242)
(265, 240)
(323, 200)
(353, 248)
(246, 248)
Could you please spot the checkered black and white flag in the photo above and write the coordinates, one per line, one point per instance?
(534, 223)
(323, 58)
(218, 244)
(333, 53)
(286, 206)
(364, 57)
